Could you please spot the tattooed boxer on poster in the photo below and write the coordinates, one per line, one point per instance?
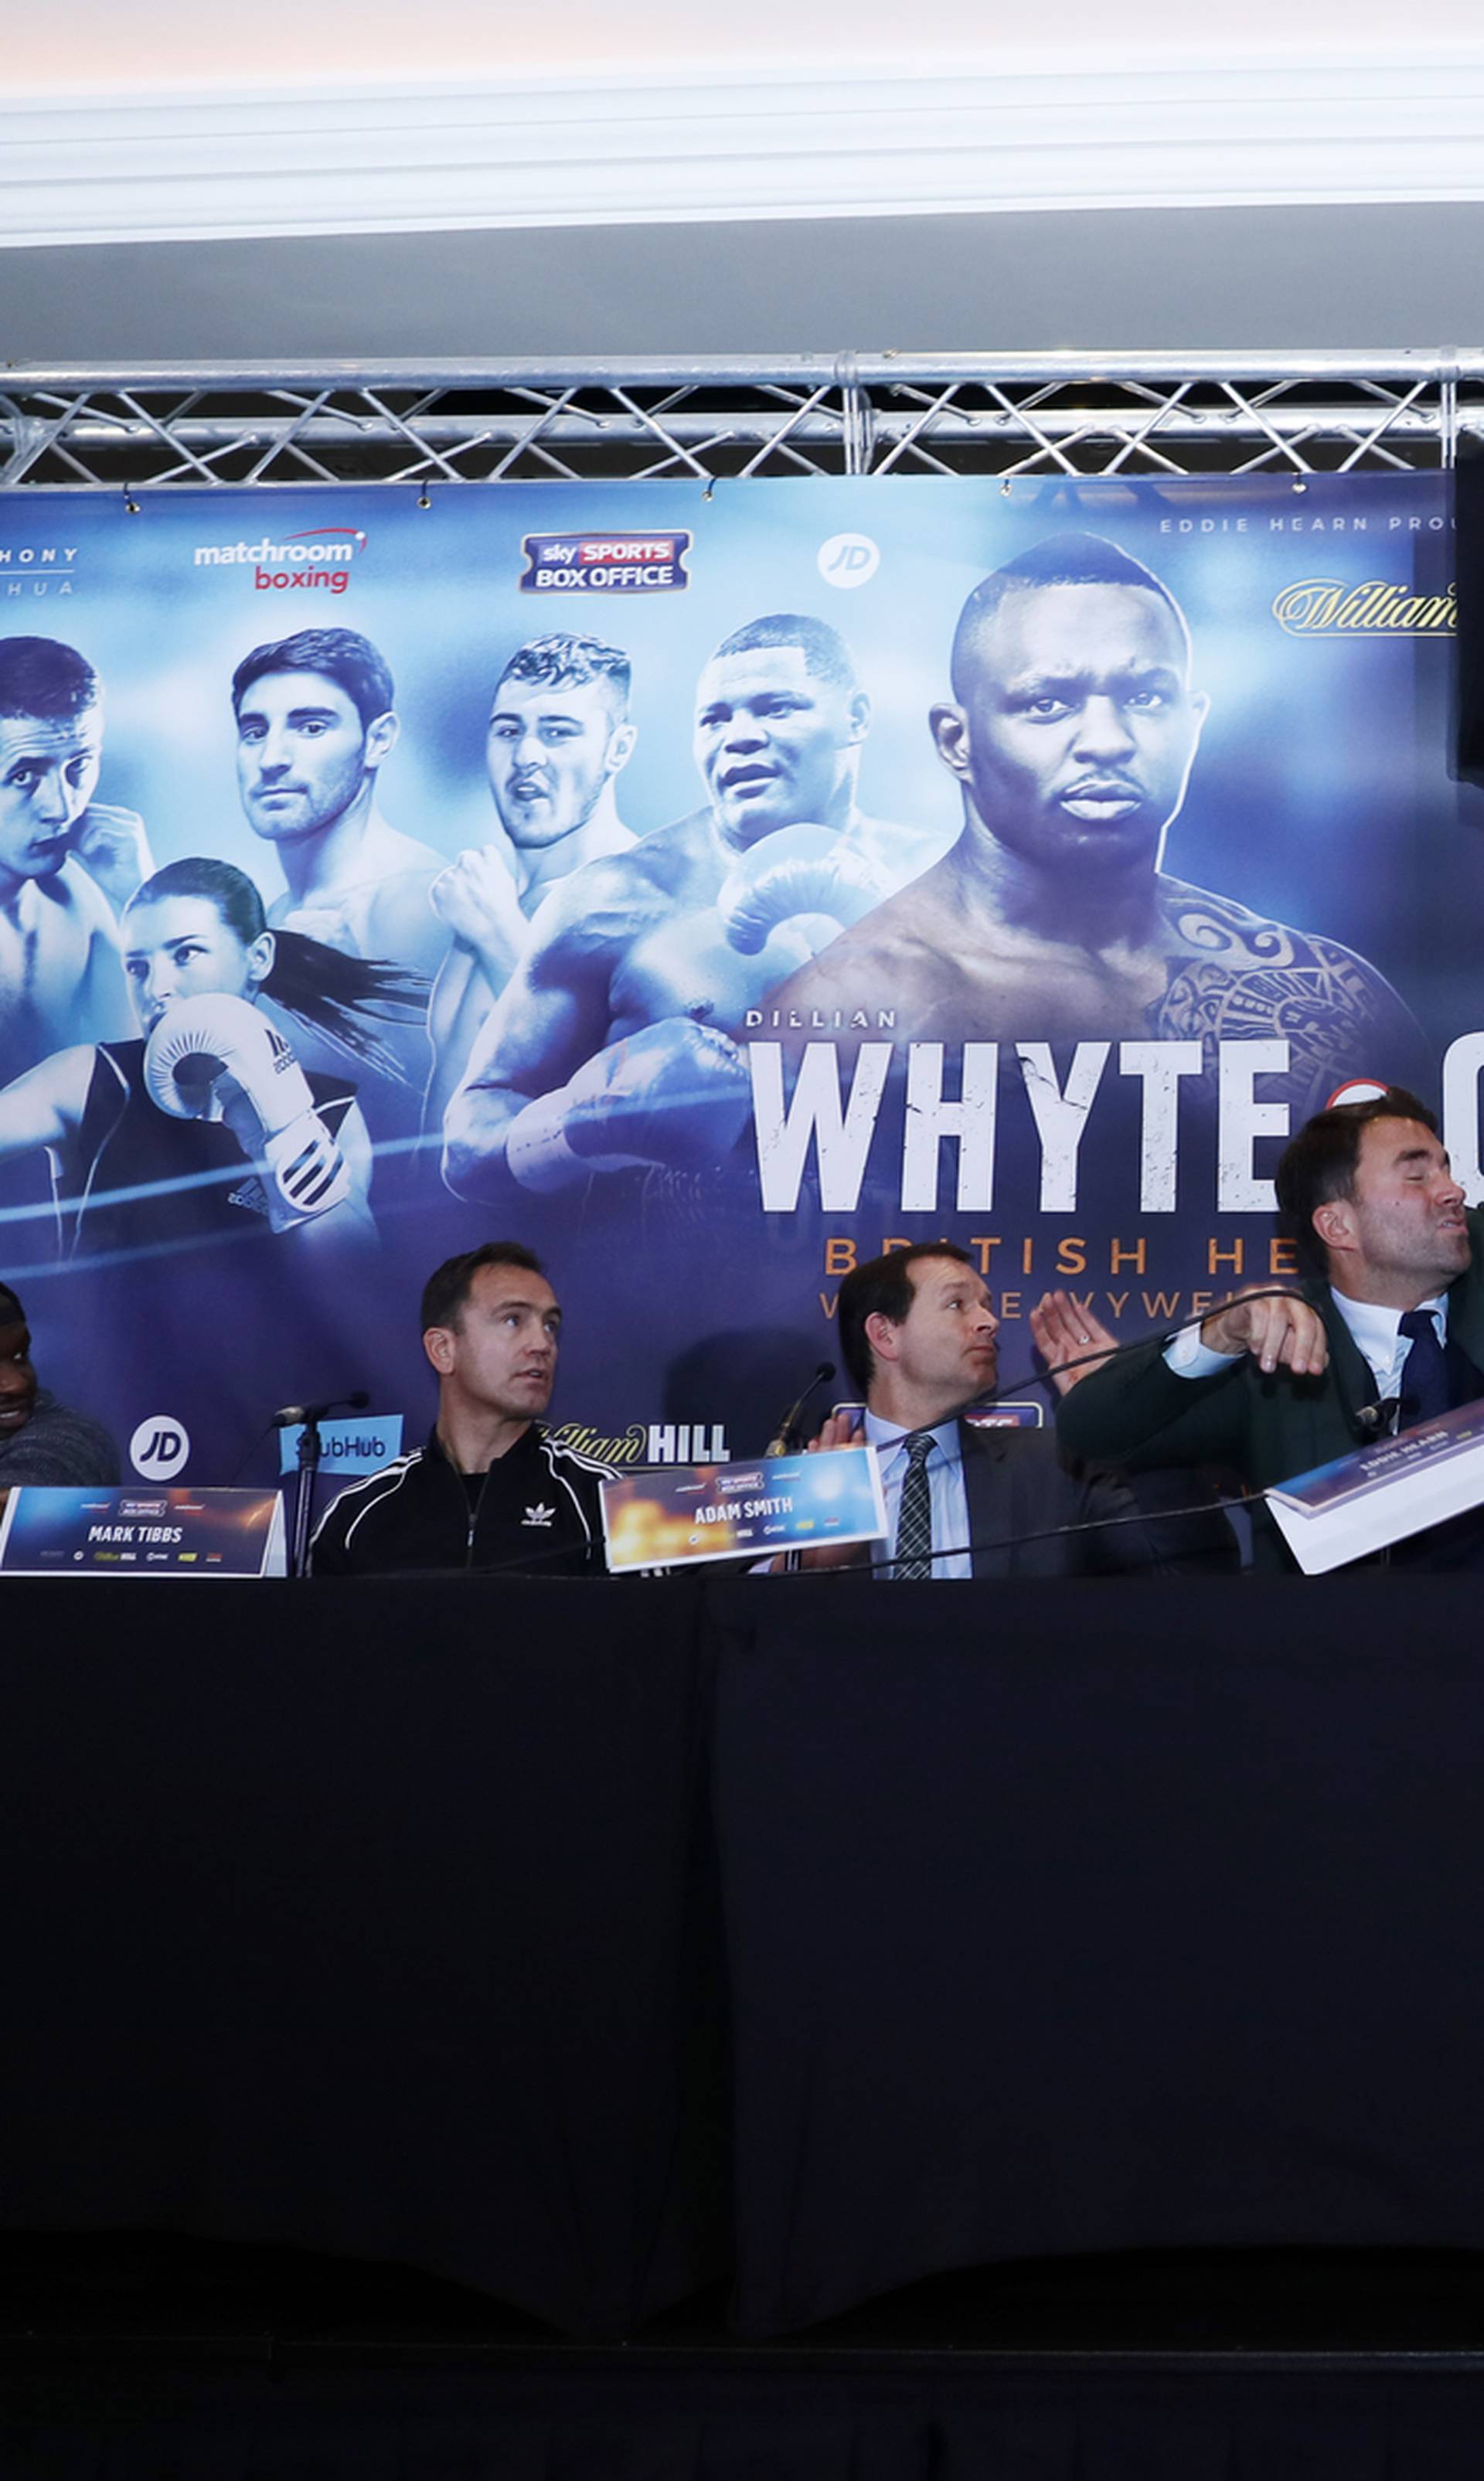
(1072, 731)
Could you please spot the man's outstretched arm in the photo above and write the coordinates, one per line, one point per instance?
(1138, 1409)
(551, 1016)
(550, 1098)
(45, 1107)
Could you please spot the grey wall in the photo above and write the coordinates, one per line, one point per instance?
(1241, 277)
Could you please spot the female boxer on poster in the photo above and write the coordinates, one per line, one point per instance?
(207, 1128)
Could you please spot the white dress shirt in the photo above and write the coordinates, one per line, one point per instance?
(1375, 1331)
(946, 1489)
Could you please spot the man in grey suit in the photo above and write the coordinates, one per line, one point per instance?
(918, 1336)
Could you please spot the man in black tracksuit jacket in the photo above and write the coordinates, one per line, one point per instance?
(489, 1490)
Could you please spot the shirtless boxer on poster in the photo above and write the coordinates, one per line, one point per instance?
(1072, 731)
(315, 724)
(558, 736)
(610, 1046)
(67, 863)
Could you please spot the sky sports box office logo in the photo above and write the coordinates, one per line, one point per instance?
(320, 559)
(575, 563)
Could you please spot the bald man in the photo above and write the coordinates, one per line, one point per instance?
(1072, 732)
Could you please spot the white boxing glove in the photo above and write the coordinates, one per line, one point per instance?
(675, 1093)
(215, 1057)
(802, 869)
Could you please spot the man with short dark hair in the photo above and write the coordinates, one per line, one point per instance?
(917, 1333)
(67, 863)
(489, 1490)
(611, 1044)
(315, 724)
(1072, 730)
(1273, 1387)
(42, 1441)
(557, 738)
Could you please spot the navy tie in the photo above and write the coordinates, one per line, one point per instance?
(914, 1517)
(1425, 1387)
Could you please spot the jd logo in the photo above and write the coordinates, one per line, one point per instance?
(159, 1447)
(848, 559)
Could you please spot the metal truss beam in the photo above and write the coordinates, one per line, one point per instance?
(165, 426)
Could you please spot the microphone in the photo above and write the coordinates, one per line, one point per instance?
(786, 1435)
(289, 1415)
(1377, 1420)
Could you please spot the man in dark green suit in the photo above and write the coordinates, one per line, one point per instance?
(1388, 1329)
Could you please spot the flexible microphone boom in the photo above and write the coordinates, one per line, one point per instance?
(785, 1437)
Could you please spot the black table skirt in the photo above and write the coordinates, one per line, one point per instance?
(365, 1916)
(385, 1920)
(1070, 1918)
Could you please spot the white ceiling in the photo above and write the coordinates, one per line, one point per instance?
(95, 44)
(359, 180)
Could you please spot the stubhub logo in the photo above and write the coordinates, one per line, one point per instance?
(362, 1445)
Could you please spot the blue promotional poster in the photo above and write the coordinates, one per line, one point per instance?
(706, 885)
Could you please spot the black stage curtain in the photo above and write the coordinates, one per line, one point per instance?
(1068, 1918)
(323, 1928)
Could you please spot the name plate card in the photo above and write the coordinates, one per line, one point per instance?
(1379, 1495)
(686, 1513)
(140, 1532)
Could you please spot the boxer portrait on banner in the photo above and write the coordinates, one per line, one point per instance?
(611, 1044)
(315, 725)
(1072, 731)
(558, 736)
(67, 863)
(206, 1127)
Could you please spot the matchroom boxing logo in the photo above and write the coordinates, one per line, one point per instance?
(575, 563)
(320, 558)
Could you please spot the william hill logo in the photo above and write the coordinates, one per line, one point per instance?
(647, 1443)
(1324, 607)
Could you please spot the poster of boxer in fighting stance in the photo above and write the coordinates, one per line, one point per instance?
(706, 890)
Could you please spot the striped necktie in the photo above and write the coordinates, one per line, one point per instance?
(914, 1517)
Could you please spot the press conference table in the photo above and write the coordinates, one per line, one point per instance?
(403, 1920)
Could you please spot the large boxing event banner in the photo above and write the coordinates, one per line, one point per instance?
(709, 885)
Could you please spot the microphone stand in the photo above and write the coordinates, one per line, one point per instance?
(309, 1449)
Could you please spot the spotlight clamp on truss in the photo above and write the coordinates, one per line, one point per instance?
(165, 426)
